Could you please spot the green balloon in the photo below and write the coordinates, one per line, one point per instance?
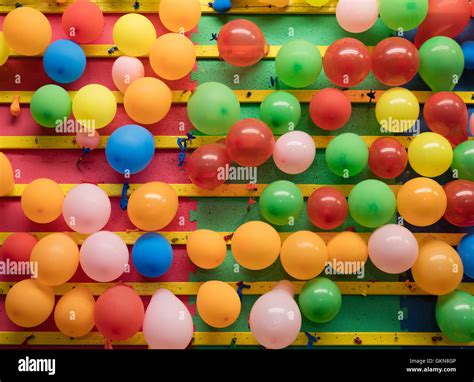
(455, 316)
(463, 160)
(441, 63)
(320, 300)
(50, 105)
(281, 201)
(298, 63)
(213, 108)
(403, 15)
(281, 111)
(347, 155)
(372, 203)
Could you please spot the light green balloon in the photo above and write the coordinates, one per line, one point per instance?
(455, 316)
(347, 155)
(320, 300)
(50, 105)
(281, 201)
(403, 15)
(463, 160)
(281, 111)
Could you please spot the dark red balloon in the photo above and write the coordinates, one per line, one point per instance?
(18, 246)
(330, 109)
(207, 166)
(327, 208)
(387, 158)
(347, 62)
(395, 61)
(460, 209)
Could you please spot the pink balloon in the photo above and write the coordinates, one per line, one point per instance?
(294, 152)
(88, 140)
(471, 124)
(393, 249)
(168, 323)
(275, 319)
(104, 256)
(125, 70)
(357, 16)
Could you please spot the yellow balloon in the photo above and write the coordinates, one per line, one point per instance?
(7, 181)
(134, 34)
(430, 154)
(317, 3)
(180, 15)
(94, 106)
(4, 49)
(397, 110)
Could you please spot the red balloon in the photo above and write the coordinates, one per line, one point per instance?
(347, 62)
(119, 313)
(242, 43)
(250, 142)
(207, 166)
(445, 18)
(387, 158)
(395, 61)
(330, 109)
(327, 208)
(460, 209)
(83, 22)
(18, 246)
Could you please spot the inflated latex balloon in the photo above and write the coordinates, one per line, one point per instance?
(134, 34)
(460, 209)
(18, 246)
(330, 109)
(397, 110)
(88, 140)
(42, 201)
(294, 152)
(4, 49)
(50, 106)
(347, 253)
(125, 70)
(466, 251)
(152, 255)
(320, 300)
(463, 161)
(180, 15)
(327, 208)
(403, 15)
(206, 249)
(83, 22)
(7, 180)
(281, 202)
(347, 155)
(430, 154)
(281, 111)
(94, 105)
(455, 316)
(387, 158)
(357, 16)
(64, 61)
(467, 50)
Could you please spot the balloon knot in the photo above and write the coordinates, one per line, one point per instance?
(18, 5)
(436, 338)
(124, 199)
(136, 5)
(112, 50)
(371, 95)
(233, 343)
(108, 344)
(213, 37)
(240, 287)
(85, 151)
(250, 203)
(311, 340)
(274, 82)
(183, 146)
(358, 341)
(25, 341)
(228, 237)
(15, 106)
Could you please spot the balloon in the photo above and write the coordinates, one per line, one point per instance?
(403, 15)
(303, 255)
(430, 154)
(89, 140)
(357, 16)
(250, 142)
(441, 63)
(130, 149)
(463, 160)
(7, 181)
(460, 209)
(74, 312)
(281, 202)
(29, 303)
(18, 246)
(320, 300)
(27, 31)
(280, 309)
(347, 62)
(168, 323)
(471, 124)
(438, 269)
(222, 6)
(241, 43)
(4, 49)
(125, 70)
(213, 108)
(467, 50)
(64, 61)
(180, 15)
(421, 202)
(294, 152)
(94, 105)
(152, 255)
(330, 109)
(152, 206)
(327, 208)
(347, 253)
(50, 106)
(281, 111)
(207, 166)
(465, 250)
(119, 313)
(455, 316)
(42, 201)
(298, 63)
(83, 22)
(104, 256)
(172, 56)
(372, 203)
(445, 113)
(218, 304)
(387, 158)
(347, 155)
(397, 110)
(256, 245)
(133, 34)
(206, 249)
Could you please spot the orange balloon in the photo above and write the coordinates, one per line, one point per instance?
(29, 303)
(421, 202)
(207, 249)
(7, 181)
(147, 100)
(347, 253)
(152, 206)
(180, 15)
(438, 269)
(218, 304)
(57, 256)
(74, 313)
(27, 31)
(256, 245)
(304, 255)
(172, 56)
(42, 201)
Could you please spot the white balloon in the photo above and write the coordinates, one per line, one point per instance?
(357, 16)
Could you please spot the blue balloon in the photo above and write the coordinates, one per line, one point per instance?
(64, 61)
(152, 255)
(130, 149)
(222, 6)
(466, 251)
(468, 50)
